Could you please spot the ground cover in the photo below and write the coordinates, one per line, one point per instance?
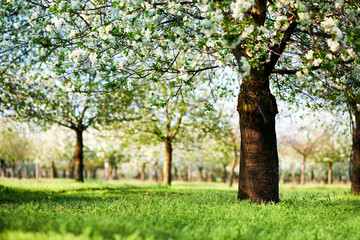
(64, 209)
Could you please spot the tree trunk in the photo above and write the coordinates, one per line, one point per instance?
(231, 177)
(200, 177)
(143, 172)
(89, 171)
(259, 163)
(3, 168)
(110, 171)
(293, 178)
(302, 180)
(19, 172)
(156, 175)
(168, 160)
(37, 169)
(329, 165)
(53, 172)
(13, 168)
(116, 176)
(79, 166)
(281, 180)
(355, 161)
(189, 173)
(224, 173)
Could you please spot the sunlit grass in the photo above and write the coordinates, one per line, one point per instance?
(64, 209)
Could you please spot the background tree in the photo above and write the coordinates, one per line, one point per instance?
(43, 103)
(333, 149)
(15, 148)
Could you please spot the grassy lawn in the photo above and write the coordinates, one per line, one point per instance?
(64, 209)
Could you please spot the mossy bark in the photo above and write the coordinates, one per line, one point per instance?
(258, 178)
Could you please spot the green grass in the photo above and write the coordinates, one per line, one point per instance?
(63, 209)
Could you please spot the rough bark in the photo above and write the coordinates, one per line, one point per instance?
(168, 160)
(79, 166)
(258, 178)
(302, 180)
(329, 165)
(355, 162)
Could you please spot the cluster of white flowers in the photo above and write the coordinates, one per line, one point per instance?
(317, 62)
(304, 19)
(247, 31)
(72, 33)
(104, 32)
(339, 3)
(333, 45)
(57, 21)
(281, 23)
(330, 26)
(93, 58)
(309, 55)
(239, 7)
(77, 55)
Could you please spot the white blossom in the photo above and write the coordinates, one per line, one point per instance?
(317, 62)
(309, 55)
(247, 31)
(239, 7)
(93, 58)
(333, 44)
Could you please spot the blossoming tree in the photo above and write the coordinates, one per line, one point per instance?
(178, 41)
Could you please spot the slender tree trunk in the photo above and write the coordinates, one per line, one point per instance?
(281, 180)
(19, 172)
(231, 177)
(70, 173)
(189, 173)
(293, 179)
(355, 161)
(329, 165)
(79, 166)
(3, 168)
(200, 177)
(53, 172)
(116, 176)
(143, 172)
(302, 180)
(168, 160)
(259, 163)
(156, 175)
(13, 167)
(89, 172)
(110, 171)
(224, 173)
